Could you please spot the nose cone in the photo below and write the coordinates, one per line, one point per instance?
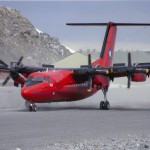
(26, 94)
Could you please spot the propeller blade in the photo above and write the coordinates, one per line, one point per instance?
(19, 61)
(129, 82)
(130, 70)
(3, 63)
(89, 61)
(6, 80)
(90, 84)
(3, 68)
(129, 59)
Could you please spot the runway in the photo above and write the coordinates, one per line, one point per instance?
(77, 124)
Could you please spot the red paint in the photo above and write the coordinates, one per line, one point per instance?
(139, 77)
(61, 87)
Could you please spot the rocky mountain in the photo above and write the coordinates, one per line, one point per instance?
(18, 37)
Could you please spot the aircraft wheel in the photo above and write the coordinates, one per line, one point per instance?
(106, 105)
(30, 106)
(34, 108)
(101, 105)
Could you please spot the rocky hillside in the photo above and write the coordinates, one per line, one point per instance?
(19, 37)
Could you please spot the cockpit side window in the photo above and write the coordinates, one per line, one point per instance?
(33, 80)
(47, 79)
(37, 79)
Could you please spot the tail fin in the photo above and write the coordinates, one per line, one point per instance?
(107, 51)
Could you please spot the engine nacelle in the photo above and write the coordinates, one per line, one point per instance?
(139, 77)
(20, 79)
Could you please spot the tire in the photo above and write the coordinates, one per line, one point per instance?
(106, 105)
(101, 105)
(34, 108)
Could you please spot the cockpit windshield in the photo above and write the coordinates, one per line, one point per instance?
(36, 80)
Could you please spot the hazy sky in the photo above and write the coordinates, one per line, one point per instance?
(51, 17)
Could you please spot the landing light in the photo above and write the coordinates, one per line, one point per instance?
(147, 71)
(89, 90)
(51, 84)
(107, 72)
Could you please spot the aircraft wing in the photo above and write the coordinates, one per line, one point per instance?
(114, 71)
(137, 72)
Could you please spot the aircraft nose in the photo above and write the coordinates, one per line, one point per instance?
(26, 94)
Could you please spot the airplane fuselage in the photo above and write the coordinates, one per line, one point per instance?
(60, 85)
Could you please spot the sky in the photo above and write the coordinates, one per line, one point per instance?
(51, 17)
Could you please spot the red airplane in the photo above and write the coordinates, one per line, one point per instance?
(47, 84)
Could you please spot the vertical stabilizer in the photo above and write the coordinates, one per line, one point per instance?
(107, 51)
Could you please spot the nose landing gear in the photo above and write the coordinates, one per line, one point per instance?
(30, 106)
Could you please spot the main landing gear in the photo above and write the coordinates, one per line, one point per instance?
(104, 105)
(30, 106)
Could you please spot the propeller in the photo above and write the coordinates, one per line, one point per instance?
(12, 68)
(20, 61)
(7, 79)
(3, 63)
(130, 70)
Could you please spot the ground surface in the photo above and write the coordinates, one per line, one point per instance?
(78, 125)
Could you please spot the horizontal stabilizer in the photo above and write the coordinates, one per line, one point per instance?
(105, 24)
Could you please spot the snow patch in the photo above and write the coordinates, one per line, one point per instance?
(71, 50)
(10, 9)
(38, 30)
